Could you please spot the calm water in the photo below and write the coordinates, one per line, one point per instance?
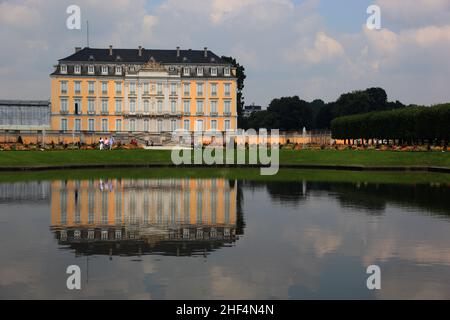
(220, 238)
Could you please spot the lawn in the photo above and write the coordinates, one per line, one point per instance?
(287, 157)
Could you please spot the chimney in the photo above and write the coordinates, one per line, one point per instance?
(140, 51)
(77, 49)
(178, 52)
(110, 50)
(206, 52)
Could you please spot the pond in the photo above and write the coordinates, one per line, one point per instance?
(194, 236)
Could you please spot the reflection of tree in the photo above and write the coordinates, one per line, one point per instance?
(377, 196)
(286, 191)
(240, 222)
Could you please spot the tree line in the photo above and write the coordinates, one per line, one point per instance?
(293, 113)
(409, 125)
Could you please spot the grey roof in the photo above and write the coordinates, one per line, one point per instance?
(132, 56)
(25, 103)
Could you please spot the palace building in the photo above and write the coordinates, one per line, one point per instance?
(144, 93)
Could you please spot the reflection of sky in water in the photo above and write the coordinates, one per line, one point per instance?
(300, 240)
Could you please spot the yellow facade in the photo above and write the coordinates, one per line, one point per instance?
(154, 97)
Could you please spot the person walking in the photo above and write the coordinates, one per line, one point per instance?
(101, 143)
(111, 142)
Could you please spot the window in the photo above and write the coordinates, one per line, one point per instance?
(77, 106)
(173, 89)
(214, 89)
(227, 89)
(63, 85)
(187, 106)
(77, 69)
(118, 88)
(160, 106)
(214, 72)
(199, 106)
(91, 87)
(173, 106)
(91, 70)
(104, 70)
(132, 106)
(105, 87)
(118, 71)
(77, 124)
(146, 125)
(118, 125)
(199, 125)
(227, 125)
(91, 125)
(160, 124)
(77, 87)
(200, 72)
(214, 107)
(159, 88)
(118, 106)
(213, 124)
(91, 106)
(104, 125)
(186, 125)
(186, 72)
(64, 108)
(132, 125)
(146, 88)
(64, 124)
(187, 89)
(227, 105)
(132, 88)
(104, 106)
(173, 125)
(146, 106)
(226, 72)
(63, 69)
(199, 89)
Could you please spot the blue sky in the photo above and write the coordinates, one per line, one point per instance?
(310, 48)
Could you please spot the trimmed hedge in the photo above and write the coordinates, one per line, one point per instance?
(407, 125)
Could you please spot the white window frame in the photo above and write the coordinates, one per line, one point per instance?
(118, 70)
(91, 125)
(119, 86)
(63, 87)
(118, 106)
(200, 71)
(214, 127)
(64, 124)
(103, 125)
(77, 87)
(64, 106)
(63, 69)
(227, 89)
(104, 70)
(104, 87)
(213, 106)
(186, 71)
(214, 72)
(77, 125)
(227, 123)
(227, 72)
(91, 70)
(77, 69)
(187, 125)
(118, 125)
(187, 106)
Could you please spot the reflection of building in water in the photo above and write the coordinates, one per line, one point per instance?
(25, 191)
(171, 216)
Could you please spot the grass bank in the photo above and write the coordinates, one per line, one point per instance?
(251, 174)
(287, 157)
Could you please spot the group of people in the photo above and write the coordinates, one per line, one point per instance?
(106, 144)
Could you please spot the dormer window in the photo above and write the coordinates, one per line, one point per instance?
(63, 69)
(186, 72)
(214, 72)
(104, 70)
(118, 71)
(77, 69)
(91, 69)
(226, 72)
(200, 72)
